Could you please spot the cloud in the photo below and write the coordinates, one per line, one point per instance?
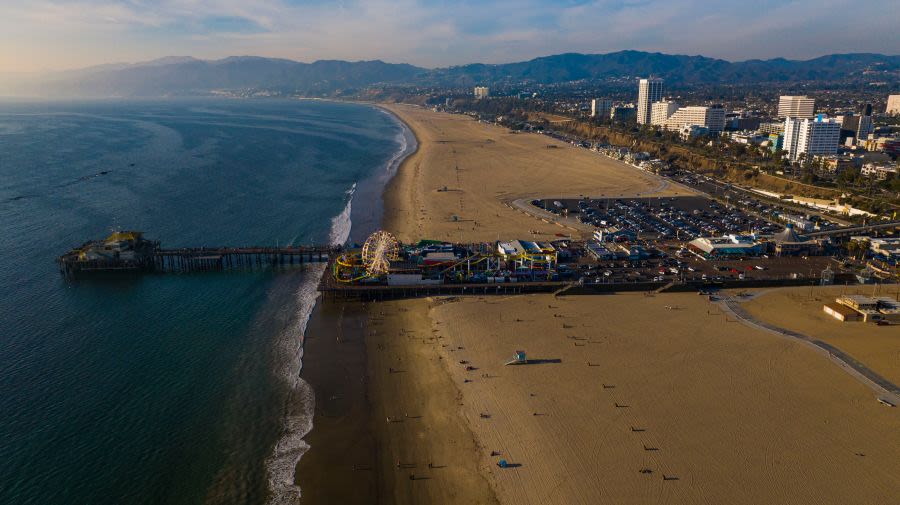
(38, 34)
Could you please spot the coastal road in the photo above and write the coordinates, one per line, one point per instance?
(884, 388)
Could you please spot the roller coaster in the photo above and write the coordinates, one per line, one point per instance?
(384, 260)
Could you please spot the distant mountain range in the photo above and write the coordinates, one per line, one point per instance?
(190, 76)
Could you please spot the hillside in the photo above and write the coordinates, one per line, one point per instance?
(189, 76)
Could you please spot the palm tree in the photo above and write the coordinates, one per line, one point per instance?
(852, 248)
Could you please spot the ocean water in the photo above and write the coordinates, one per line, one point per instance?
(175, 389)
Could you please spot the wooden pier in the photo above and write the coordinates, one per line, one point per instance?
(200, 259)
(238, 258)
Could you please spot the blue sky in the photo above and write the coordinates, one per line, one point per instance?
(60, 34)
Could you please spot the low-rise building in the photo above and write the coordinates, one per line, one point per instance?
(890, 145)
(690, 131)
(841, 312)
(879, 172)
(788, 243)
(880, 308)
(660, 112)
(776, 141)
(777, 128)
(623, 112)
(726, 246)
(887, 247)
(600, 107)
(797, 222)
(712, 118)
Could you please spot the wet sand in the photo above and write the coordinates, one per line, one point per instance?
(339, 466)
(426, 453)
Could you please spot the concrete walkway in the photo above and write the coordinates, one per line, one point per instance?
(883, 388)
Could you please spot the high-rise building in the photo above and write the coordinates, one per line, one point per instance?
(600, 107)
(893, 104)
(864, 128)
(858, 127)
(482, 92)
(811, 136)
(712, 118)
(649, 91)
(661, 111)
(796, 106)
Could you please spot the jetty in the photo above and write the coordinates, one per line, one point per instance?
(129, 251)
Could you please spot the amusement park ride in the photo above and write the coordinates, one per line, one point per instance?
(383, 259)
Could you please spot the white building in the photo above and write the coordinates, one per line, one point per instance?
(811, 136)
(690, 131)
(649, 91)
(661, 111)
(482, 92)
(711, 118)
(893, 104)
(600, 107)
(796, 106)
(880, 172)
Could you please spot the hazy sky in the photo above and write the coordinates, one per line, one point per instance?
(61, 34)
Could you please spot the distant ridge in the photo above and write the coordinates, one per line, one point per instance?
(674, 68)
(184, 75)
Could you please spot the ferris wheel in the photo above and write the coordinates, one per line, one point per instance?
(379, 250)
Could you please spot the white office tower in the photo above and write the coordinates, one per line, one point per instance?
(893, 104)
(649, 91)
(811, 136)
(661, 111)
(711, 118)
(796, 106)
(482, 92)
(600, 107)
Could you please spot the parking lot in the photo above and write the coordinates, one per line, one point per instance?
(685, 266)
(662, 218)
(739, 198)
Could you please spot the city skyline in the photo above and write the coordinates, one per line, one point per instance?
(50, 35)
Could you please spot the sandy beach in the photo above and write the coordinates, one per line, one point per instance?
(622, 384)
(628, 398)
(800, 309)
(485, 168)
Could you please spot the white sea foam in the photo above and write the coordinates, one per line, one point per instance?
(402, 137)
(341, 224)
(282, 463)
(301, 405)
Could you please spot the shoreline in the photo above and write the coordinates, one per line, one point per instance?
(340, 407)
(616, 407)
(684, 395)
(351, 441)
